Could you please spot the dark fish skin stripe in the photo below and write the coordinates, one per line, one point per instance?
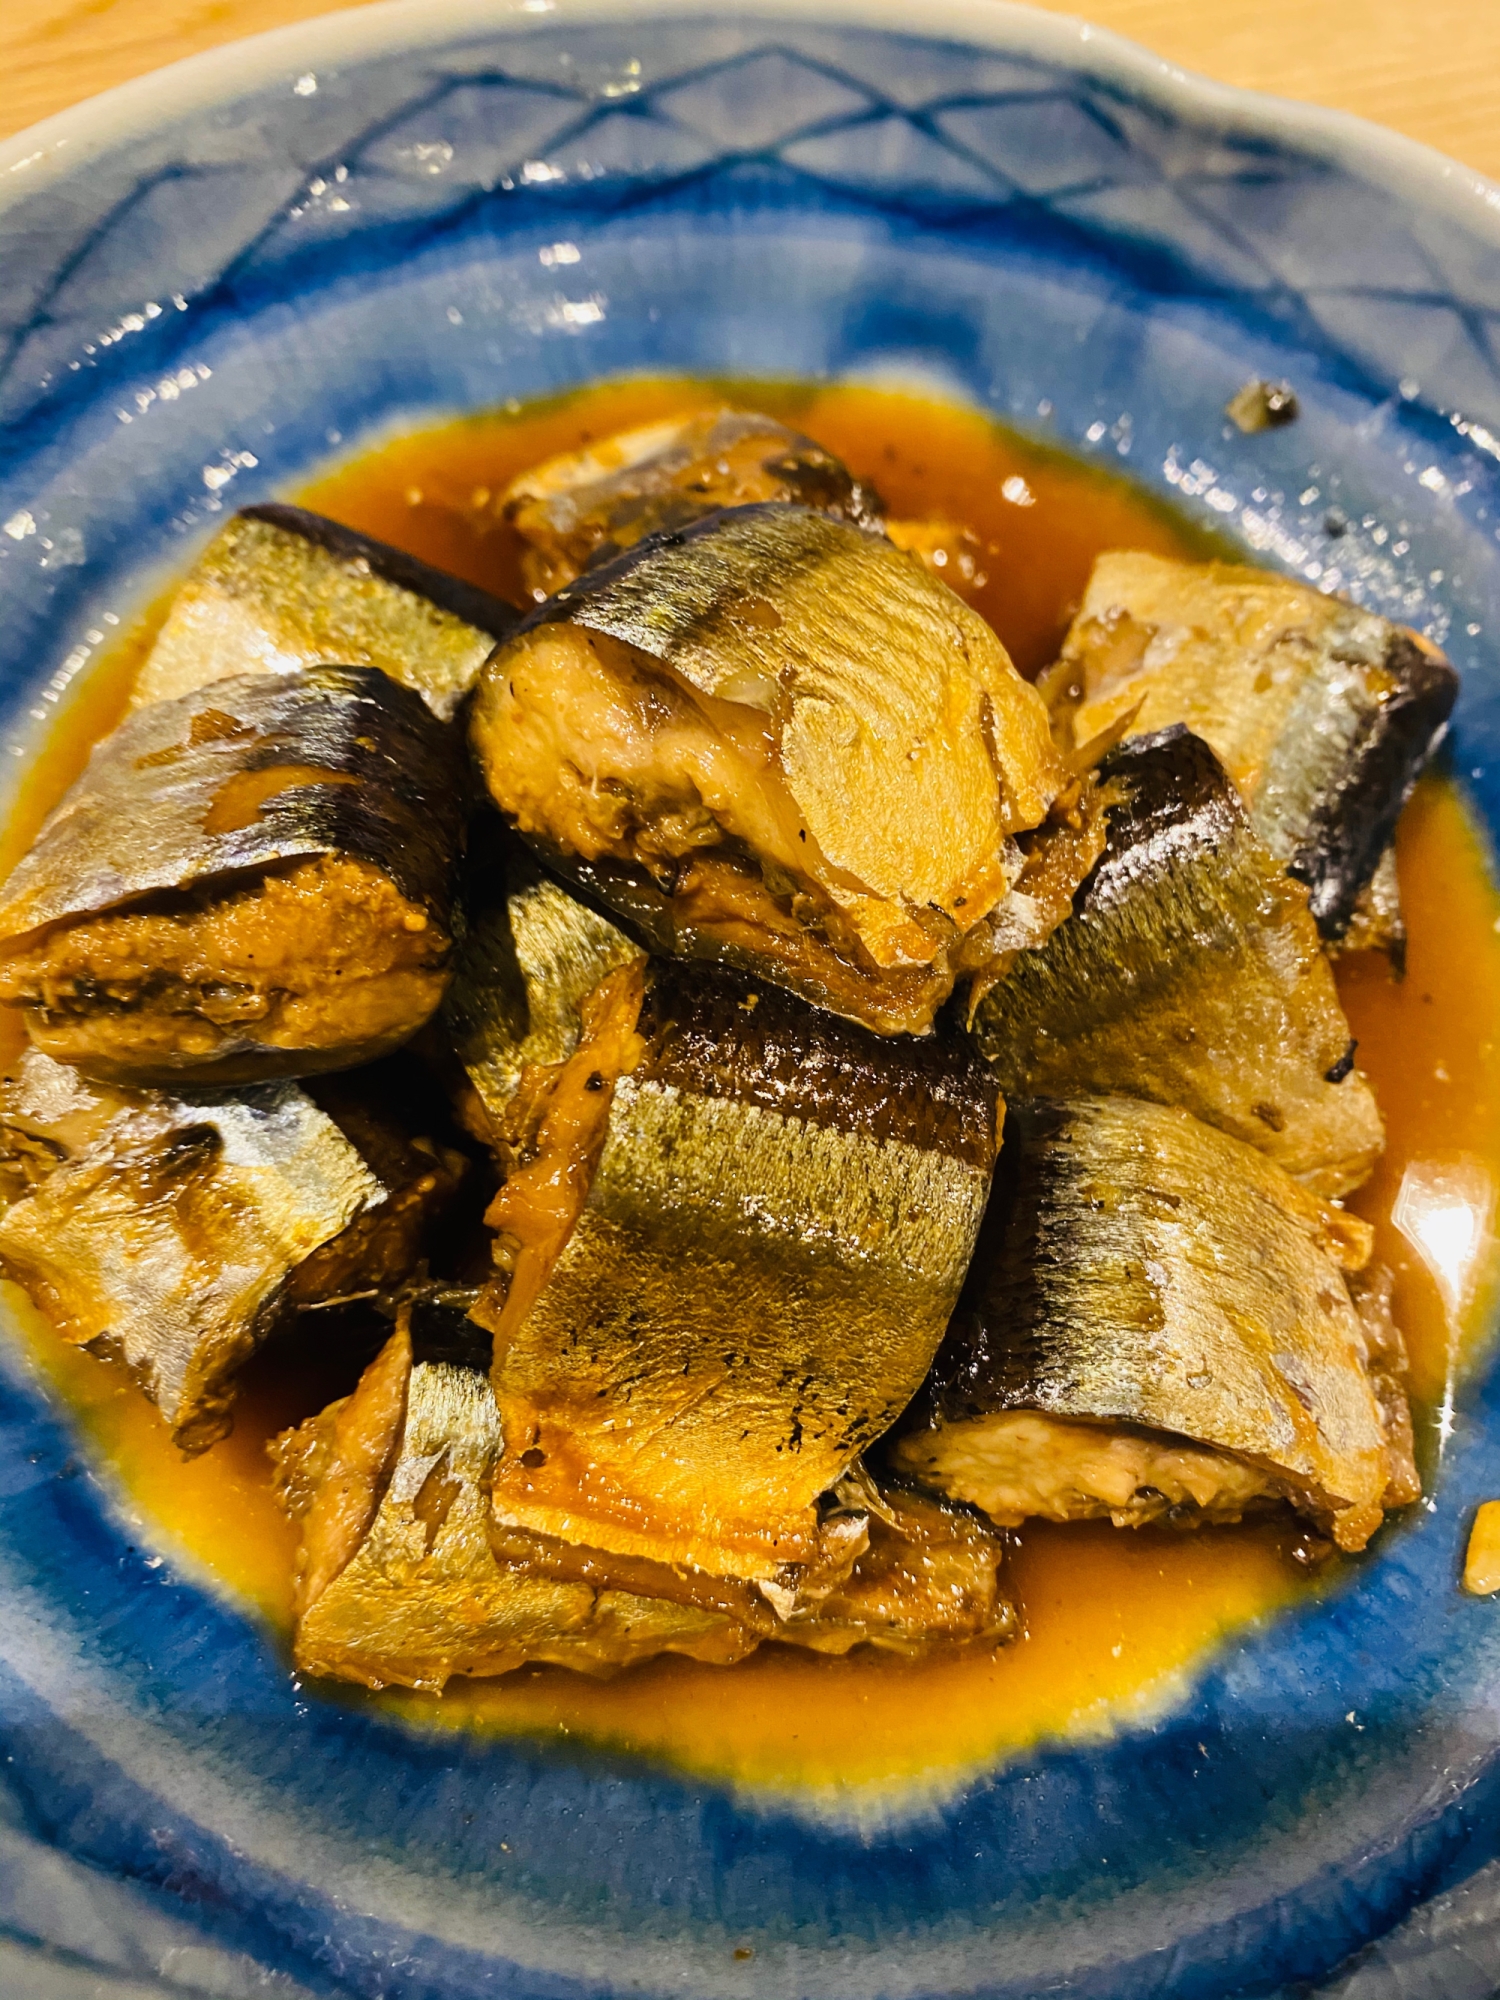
(449, 593)
(709, 1034)
(441, 1330)
(132, 826)
(1171, 781)
(1354, 821)
(1003, 1343)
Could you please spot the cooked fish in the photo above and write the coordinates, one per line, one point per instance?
(929, 1579)
(1158, 1325)
(777, 742)
(1323, 714)
(585, 507)
(1190, 973)
(406, 1577)
(528, 956)
(732, 1232)
(398, 1578)
(1378, 922)
(251, 882)
(177, 1235)
(280, 589)
(48, 1113)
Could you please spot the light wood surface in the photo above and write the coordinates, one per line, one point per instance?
(1430, 68)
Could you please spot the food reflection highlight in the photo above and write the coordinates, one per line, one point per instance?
(1446, 1210)
(683, 1237)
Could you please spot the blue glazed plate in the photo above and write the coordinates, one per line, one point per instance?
(215, 278)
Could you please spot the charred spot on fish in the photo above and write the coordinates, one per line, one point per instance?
(1354, 820)
(1343, 1066)
(533, 1457)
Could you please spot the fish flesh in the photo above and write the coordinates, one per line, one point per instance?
(585, 507)
(1323, 714)
(776, 742)
(253, 881)
(1158, 1326)
(929, 1580)
(730, 1237)
(1190, 973)
(181, 1232)
(279, 589)
(168, 1242)
(406, 1577)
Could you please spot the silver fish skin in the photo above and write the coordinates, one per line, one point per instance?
(170, 1238)
(584, 507)
(1323, 714)
(49, 1112)
(1190, 973)
(138, 819)
(279, 589)
(1157, 1322)
(772, 1240)
(528, 955)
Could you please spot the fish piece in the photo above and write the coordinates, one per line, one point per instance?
(1190, 973)
(254, 881)
(929, 1580)
(1481, 1577)
(1322, 714)
(528, 956)
(399, 1581)
(48, 1113)
(405, 1576)
(585, 507)
(1378, 922)
(1157, 1325)
(279, 589)
(176, 1238)
(776, 742)
(732, 1233)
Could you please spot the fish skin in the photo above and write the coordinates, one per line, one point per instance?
(1323, 714)
(169, 1239)
(1190, 973)
(1138, 1268)
(887, 708)
(279, 589)
(528, 953)
(432, 1585)
(770, 1247)
(422, 1595)
(133, 824)
(583, 508)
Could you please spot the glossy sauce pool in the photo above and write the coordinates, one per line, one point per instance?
(1113, 1619)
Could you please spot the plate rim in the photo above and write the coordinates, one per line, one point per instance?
(49, 150)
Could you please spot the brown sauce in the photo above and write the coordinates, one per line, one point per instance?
(1113, 1619)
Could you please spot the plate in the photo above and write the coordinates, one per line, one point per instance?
(220, 276)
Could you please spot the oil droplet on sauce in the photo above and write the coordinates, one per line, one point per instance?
(1113, 1619)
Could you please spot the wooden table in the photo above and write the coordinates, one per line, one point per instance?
(1430, 68)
